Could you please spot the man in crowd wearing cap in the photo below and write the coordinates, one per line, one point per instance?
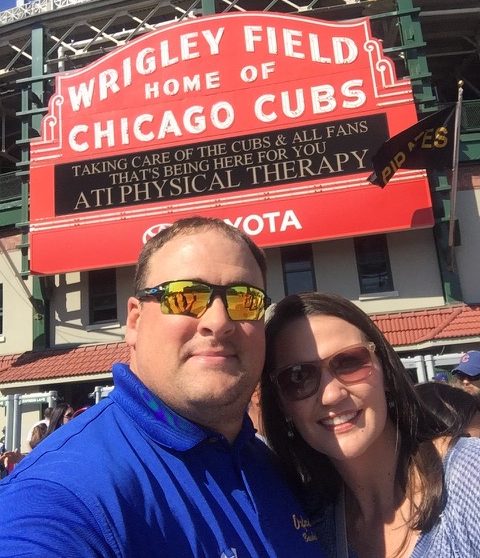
(467, 372)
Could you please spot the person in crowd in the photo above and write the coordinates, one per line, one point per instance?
(441, 376)
(454, 406)
(46, 415)
(467, 373)
(38, 433)
(9, 459)
(61, 414)
(46, 421)
(54, 418)
(382, 475)
(168, 464)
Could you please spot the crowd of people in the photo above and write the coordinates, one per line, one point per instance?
(53, 418)
(353, 460)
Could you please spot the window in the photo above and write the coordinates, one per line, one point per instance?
(102, 292)
(373, 264)
(298, 273)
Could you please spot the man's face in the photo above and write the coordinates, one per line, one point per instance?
(471, 384)
(204, 368)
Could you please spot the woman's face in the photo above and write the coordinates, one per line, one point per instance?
(341, 421)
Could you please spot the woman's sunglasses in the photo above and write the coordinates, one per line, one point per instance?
(192, 298)
(350, 365)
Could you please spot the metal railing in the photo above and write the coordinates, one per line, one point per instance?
(35, 7)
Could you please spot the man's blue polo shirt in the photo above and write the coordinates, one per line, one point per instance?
(131, 478)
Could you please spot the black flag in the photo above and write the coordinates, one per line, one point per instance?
(428, 144)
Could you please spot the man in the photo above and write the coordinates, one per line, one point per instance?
(168, 465)
(467, 372)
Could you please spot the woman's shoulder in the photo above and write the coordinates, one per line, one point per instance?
(462, 496)
(457, 531)
(462, 478)
(463, 457)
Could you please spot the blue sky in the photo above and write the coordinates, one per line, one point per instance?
(5, 4)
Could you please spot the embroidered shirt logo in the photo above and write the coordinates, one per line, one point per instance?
(302, 524)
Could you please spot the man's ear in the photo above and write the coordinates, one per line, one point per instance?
(133, 321)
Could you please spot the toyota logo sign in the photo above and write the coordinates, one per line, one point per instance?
(153, 230)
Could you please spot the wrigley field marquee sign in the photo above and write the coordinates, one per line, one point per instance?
(265, 120)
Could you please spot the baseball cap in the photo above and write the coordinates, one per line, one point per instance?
(441, 376)
(469, 364)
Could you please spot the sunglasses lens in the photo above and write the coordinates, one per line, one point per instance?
(299, 381)
(185, 297)
(245, 302)
(190, 298)
(352, 365)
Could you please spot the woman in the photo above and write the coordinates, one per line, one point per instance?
(61, 414)
(342, 415)
(454, 406)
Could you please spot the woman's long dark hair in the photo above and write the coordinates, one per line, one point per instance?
(452, 405)
(56, 418)
(417, 427)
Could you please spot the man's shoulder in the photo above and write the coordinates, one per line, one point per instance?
(86, 459)
(72, 449)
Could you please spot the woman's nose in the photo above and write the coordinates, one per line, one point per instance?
(330, 391)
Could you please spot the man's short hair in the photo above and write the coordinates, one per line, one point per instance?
(189, 226)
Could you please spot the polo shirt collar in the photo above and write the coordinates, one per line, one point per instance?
(158, 420)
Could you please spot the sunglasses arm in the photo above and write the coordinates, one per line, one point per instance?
(155, 292)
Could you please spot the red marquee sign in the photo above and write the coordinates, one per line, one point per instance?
(266, 120)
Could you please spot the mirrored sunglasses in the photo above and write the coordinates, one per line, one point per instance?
(350, 365)
(192, 298)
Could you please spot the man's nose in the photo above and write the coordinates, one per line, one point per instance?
(215, 318)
